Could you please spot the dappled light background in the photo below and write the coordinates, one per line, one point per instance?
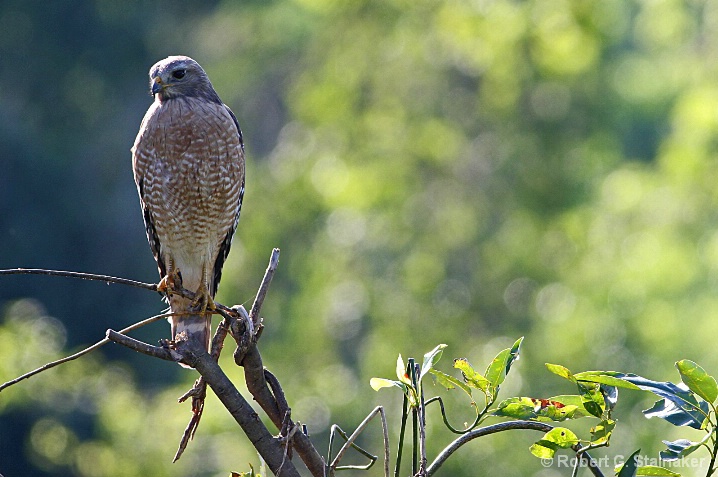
(459, 172)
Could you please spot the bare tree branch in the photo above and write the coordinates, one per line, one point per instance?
(83, 352)
(264, 287)
(199, 390)
(256, 377)
(84, 276)
(190, 353)
(141, 347)
(268, 447)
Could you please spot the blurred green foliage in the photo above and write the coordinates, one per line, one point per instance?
(451, 172)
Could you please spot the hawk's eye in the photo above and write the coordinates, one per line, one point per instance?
(179, 74)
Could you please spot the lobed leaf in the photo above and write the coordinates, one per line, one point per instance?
(679, 405)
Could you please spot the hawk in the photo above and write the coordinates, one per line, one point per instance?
(188, 163)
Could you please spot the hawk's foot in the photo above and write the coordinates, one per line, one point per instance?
(203, 300)
(171, 284)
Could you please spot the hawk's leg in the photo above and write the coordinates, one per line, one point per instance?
(203, 298)
(171, 283)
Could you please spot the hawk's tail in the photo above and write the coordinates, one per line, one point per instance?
(196, 327)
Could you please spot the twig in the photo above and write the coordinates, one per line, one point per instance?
(199, 390)
(582, 454)
(500, 427)
(402, 433)
(264, 287)
(350, 443)
(479, 415)
(83, 352)
(385, 432)
(198, 393)
(81, 275)
(141, 347)
(422, 422)
(287, 446)
(279, 397)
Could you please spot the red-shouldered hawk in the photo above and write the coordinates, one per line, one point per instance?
(188, 162)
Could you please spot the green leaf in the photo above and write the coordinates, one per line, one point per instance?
(543, 451)
(655, 470)
(601, 432)
(697, 380)
(500, 366)
(401, 371)
(379, 383)
(449, 382)
(679, 405)
(592, 398)
(561, 436)
(562, 371)
(472, 378)
(431, 358)
(610, 378)
(522, 408)
(572, 400)
(681, 448)
(531, 409)
(630, 467)
(557, 438)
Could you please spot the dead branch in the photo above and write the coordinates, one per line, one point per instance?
(256, 378)
(199, 390)
(84, 276)
(245, 329)
(164, 352)
(350, 443)
(83, 352)
(269, 448)
(264, 287)
(190, 353)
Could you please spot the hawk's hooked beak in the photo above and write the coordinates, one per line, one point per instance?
(157, 85)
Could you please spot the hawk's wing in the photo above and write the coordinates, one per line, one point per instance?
(152, 237)
(227, 242)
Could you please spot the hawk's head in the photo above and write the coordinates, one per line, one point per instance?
(178, 76)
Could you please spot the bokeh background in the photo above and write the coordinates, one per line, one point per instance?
(462, 172)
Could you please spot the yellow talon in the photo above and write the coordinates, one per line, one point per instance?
(170, 283)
